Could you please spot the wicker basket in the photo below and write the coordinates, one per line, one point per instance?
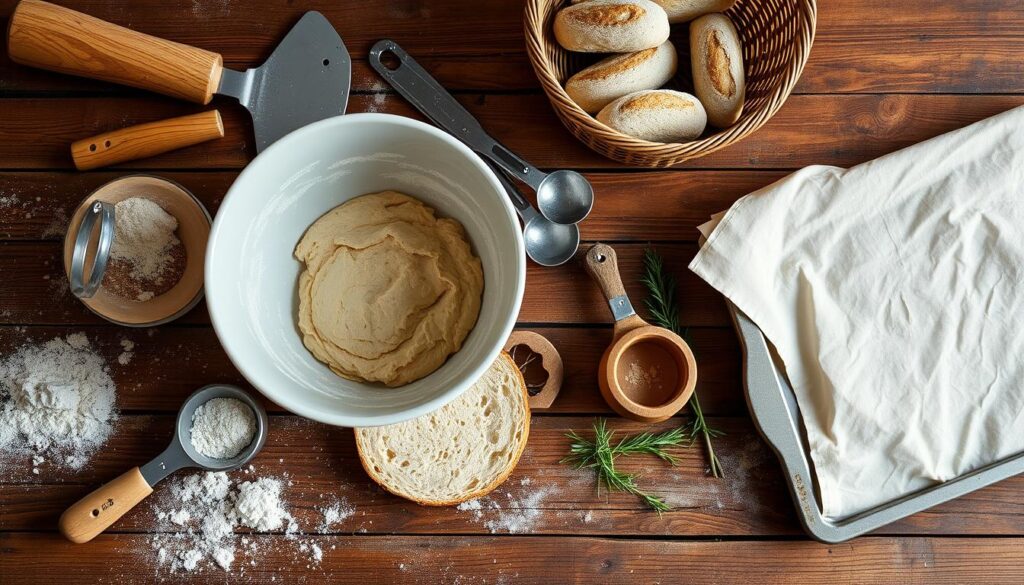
(777, 37)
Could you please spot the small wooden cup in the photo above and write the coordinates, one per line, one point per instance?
(193, 231)
(648, 373)
(550, 361)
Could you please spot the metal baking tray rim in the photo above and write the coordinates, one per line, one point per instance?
(773, 407)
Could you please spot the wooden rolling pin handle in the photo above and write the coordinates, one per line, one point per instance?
(59, 39)
(94, 513)
(146, 140)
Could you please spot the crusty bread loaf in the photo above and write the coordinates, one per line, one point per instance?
(687, 10)
(716, 58)
(661, 115)
(459, 452)
(611, 26)
(611, 78)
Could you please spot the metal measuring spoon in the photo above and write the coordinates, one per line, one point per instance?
(563, 196)
(94, 513)
(547, 243)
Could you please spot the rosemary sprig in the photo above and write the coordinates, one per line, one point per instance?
(600, 456)
(664, 312)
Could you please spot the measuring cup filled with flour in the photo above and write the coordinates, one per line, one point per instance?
(219, 428)
(134, 251)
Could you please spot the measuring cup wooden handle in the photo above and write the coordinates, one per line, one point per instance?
(52, 37)
(94, 513)
(603, 266)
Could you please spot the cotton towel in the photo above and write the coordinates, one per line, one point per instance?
(894, 293)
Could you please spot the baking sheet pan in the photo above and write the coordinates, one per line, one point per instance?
(773, 407)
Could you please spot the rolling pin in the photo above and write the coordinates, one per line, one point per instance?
(144, 140)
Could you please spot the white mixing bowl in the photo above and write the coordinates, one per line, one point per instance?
(251, 274)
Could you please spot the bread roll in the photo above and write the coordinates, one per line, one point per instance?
(687, 10)
(716, 58)
(459, 452)
(661, 115)
(611, 26)
(611, 78)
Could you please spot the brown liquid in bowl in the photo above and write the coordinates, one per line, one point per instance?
(648, 373)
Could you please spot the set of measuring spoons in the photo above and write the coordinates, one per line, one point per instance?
(564, 197)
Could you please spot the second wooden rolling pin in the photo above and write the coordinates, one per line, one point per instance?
(144, 140)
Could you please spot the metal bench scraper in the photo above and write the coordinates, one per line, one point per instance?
(306, 79)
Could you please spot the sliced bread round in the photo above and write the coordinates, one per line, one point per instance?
(459, 452)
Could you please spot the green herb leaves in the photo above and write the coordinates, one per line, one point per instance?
(661, 304)
(600, 455)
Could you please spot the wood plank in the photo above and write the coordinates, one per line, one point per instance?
(35, 293)
(168, 363)
(963, 47)
(320, 462)
(836, 130)
(536, 560)
(650, 206)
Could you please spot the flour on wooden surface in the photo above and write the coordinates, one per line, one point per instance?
(515, 513)
(203, 513)
(56, 402)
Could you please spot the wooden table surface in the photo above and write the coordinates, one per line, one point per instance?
(882, 75)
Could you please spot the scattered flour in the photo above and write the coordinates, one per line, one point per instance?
(518, 515)
(203, 511)
(223, 427)
(335, 513)
(377, 102)
(56, 399)
(127, 352)
(143, 237)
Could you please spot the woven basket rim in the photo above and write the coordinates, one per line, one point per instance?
(658, 153)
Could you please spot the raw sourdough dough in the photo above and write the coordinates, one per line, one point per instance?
(388, 291)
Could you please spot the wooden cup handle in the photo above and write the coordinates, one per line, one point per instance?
(94, 513)
(52, 37)
(144, 140)
(603, 267)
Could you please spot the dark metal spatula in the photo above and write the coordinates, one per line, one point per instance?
(306, 79)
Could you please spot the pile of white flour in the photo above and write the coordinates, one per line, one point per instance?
(222, 427)
(56, 402)
(143, 237)
(204, 510)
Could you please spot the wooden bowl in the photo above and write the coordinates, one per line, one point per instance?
(193, 230)
(776, 35)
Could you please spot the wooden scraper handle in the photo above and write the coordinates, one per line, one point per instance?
(146, 140)
(94, 513)
(59, 39)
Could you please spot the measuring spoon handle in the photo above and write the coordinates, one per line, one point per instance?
(433, 101)
(526, 211)
(94, 513)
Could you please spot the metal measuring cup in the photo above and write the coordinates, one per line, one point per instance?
(90, 237)
(94, 513)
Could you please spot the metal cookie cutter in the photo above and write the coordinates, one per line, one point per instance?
(103, 213)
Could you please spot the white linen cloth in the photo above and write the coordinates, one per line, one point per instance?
(894, 293)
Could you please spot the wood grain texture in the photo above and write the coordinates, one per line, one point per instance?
(650, 206)
(322, 465)
(481, 561)
(57, 38)
(861, 47)
(834, 130)
(169, 363)
(146, 140)
(36, 292)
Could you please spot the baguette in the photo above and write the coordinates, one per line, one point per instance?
(716, 59)
(611, 26)
(459, 452)
(611, 78)
(660, 115)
